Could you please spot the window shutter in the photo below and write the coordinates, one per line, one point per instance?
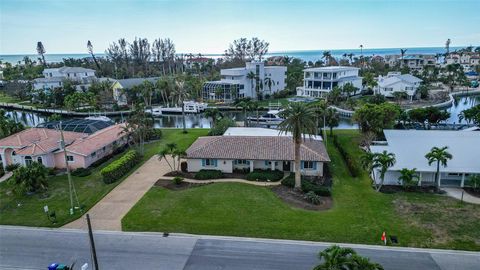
(314, 165)
(248, 162)
(302, 166)
(215, 162)
(203, 162)
(266, 163)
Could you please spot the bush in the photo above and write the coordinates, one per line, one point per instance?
(351, 164)
(116, 151)
(81, 172)
(31, 178)
(12, 167)
(264, 175)
(120, 167)
(2, 171)
(208, 174)
(153, 134)
(52, 171)
(307, 186)
(311, 197)
(177, 180)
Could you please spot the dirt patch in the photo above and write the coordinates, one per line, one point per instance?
(396, 189)
(296, 199)
(471, 191)
(189, 175)
(168, 184)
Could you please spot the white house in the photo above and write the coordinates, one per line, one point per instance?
(235, 82)
(120, 87)
(255, 149)
(411, 146)
(318, 82)
(54, 78)
(396, 82)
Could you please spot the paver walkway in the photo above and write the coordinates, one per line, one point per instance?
(457, 194)
(107, 214)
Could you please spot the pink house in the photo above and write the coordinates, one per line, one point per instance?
(43, 145)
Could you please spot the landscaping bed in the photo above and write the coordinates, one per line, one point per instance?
(297, 199)
(473, 192)
(391, 189)
(169, 184)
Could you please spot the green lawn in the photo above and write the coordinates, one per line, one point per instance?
(359, 214)
(8, 99)
(28, 210)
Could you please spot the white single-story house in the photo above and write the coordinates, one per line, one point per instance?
(411, 146)
(396, 82)
(229, 153)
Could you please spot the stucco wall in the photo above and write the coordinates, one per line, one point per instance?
(195, 165)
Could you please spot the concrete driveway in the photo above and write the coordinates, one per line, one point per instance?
(107, 214)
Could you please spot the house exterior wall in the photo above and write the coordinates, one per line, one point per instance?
(318, 82)
(427, 178)
(78, 161)
(400, 86)
(224, 165)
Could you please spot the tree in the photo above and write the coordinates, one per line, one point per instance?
(447, 47)
(334, 96)
(338, 258)
(181, 94)
(8, 126)
(243, 49)
(90, 51)
(41, 51)
(213, 113)
(376, 117)
(402, 53)
(30, 178)
(383, 161)
(408, 178)
(440, 155)
(327, 55)
(475, 181)
(252, 77)
(367, 161)
(332, 119)
(268, 82)
(299, 120)
(137, 126)
(348, 89)
(471, 115)
(245, 105)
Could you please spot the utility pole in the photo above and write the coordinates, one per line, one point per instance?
(71, 187)
(92, 243)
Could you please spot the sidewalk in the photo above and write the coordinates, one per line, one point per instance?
(107, 214)
(457, 194)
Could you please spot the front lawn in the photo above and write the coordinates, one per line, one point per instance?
(359, 214)
(28, 210)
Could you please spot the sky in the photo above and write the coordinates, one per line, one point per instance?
(208, 26)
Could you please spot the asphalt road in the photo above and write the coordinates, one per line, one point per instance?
(31, 248)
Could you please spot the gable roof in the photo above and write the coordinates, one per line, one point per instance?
(256, 148)
(129, 83)
(411, 146)
(406, 78)
(68, 70)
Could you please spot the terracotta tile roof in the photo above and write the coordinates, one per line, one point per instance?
(36, 141)
(95, 141)
(256, 148)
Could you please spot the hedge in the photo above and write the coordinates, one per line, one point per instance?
(264, 175)
(349, 161)
(120, 167)
(208, 174)
(81, 172)
(307, 186)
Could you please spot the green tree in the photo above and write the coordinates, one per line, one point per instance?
(244, 105)
(181, 94)
(338, 258)
(332, 119)
(367, 161)
(438, 155)
(8, 126)
(376, 117)
(383, 161)
(252, 77)
(474, 181)
(31, 178)
(138, 126)
(299, 120)
(408, 178)
(471, 115)
(41, 51)
(213, 113)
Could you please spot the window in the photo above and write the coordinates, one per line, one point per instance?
(93, 154)
(39, 160)
(242, 162)
(70, 159)
(209, 162)
(28, 160)
(308, 165)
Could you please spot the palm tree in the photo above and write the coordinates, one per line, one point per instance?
(383, 161)
(447, 47)
(402, 53)
(332, 119)
(367, 161)
(181, 94)
(41, 51)
(254, 106)
(408, 177)
(440, 156)
(299, 120)
(269, 82)
(320, 109)
(336, 258)
(361, 56)
(213, 113)
(364, 263)
(90, 51)
(327, 55)
(245, 105)
(252, 77)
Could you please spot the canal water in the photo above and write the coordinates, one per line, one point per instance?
(200, 121)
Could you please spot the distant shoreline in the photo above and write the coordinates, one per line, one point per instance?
(306, 55)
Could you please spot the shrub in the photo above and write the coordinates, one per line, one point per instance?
(349, 161)
(153, 134)
(208, 174)
(29, 178)
(177, 180)
(307, 186)
(264, 175)
(2, 171)
(311, 197)
(81, 172)
(289, 181)
(52, 171)
(12, 167)
(116, 151)
(120, 167)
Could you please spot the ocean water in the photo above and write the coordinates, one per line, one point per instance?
(311, 55)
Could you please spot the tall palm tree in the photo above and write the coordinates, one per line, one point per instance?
(440, 156)
(320, 109)
(367, 160)
(327, 55)
(244, 105)
(213, 113)
(41, 51)
(90, 51)
(181, 95)
(361, 56)
(255, 106)
(269, 82)
(299, 120)
(383, 161)
(402, 53)
(252, 77)
(332, 119)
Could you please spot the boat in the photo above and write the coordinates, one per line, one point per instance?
(99, 118)
(270, 118)
(188, 106)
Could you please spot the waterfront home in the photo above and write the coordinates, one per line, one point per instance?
(255, 149)
(397, 82)
(412, 61)
(120, 87)
(237, 83)
(197, 62)
(411, 146)
(319, 81)
(55, 77)
(43, 145)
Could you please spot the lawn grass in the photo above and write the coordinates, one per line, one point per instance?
(90, 189)
(359, 214)
(8, 99)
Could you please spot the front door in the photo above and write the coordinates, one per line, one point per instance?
(286, 166)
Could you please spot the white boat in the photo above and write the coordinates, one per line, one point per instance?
(270, 118)
(99, 117)
(188, 106)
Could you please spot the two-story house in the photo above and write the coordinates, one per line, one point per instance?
(54, 78)
(319, 81)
